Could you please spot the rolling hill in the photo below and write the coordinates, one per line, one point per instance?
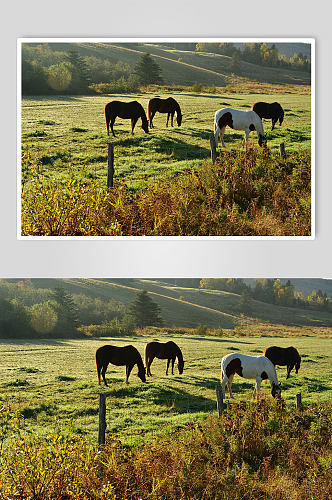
(183, 67)
(190, 307)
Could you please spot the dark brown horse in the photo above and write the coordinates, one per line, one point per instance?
(284, 356)
(133, 110)
(119, 356)
(169, 106)
(266, 110)
(169, 351)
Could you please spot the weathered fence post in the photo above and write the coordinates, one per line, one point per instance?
(102, 418)
(110, 160)
(213, 149)
(299, 405)
(282, 150)
(220, 403)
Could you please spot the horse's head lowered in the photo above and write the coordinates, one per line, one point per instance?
(180, 366)
(276, 390)
(262, 141)
(145, 124)
(297, 365)
(179, 117)
(141, 374)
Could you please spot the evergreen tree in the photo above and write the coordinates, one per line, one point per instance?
(145, 311)
(245, 302)
(66, 310)
(80, 72)
(147, 70)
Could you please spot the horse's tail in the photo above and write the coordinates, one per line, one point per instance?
(98, 364)
(281, 116)
(146, 356)
(107, 117)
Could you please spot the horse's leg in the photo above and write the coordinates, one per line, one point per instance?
(222, 131)
(133, 123)
(148, 371)
(111, 124)
(274, 121)
(217, 132)
(168, 361)
(167, 119)
(289, 369)
(128, 371)
(257, 387)
(173, 361)
(172, 116)
(246, 137)
(152, 113)
(103, 372)
(229, 385)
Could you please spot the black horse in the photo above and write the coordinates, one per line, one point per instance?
(284, 356)
(133, 110)
(169, 351)
(266, 110)
(119, 356)
(169, 106)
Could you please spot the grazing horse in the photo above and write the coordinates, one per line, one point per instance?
(169, 351)
(284, 356)
(238, 120)
(257, 367)
(169, 106)
(266, 110)
(133, 110)
(119, 356)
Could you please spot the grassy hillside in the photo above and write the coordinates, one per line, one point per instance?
(189, 307)
(182, 67)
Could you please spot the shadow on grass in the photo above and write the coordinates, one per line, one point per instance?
(33, 412)
(175, 147)
(170, 397)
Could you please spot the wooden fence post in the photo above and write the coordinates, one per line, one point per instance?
(299, 405)
(213, 149)
(282, 150)
(110, 160)
(102, 418)
(220, 403)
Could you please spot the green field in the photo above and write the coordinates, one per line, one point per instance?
(68, 134)
(54, 382)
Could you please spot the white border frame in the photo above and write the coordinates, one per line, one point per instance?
(20, 41)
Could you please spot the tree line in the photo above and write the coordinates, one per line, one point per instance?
(257, 53)
(271, 291)
(70, 73)
(29, 312)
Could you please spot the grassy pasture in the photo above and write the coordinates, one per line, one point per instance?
(56, 379)
(67, 133)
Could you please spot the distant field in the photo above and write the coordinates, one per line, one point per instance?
(189, 307)
(55, 381)
(68, 134)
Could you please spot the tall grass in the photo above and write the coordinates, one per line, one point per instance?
(245, 193)
(254, 451)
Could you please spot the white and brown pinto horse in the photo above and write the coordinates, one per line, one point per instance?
(257, 367)
(238, 120)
